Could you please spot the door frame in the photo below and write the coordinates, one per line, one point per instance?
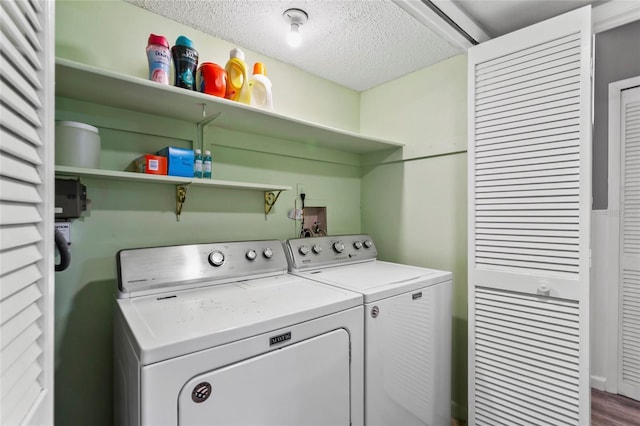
(613, 259)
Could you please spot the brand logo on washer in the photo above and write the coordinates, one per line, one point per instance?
(279, 339)
(201, 392)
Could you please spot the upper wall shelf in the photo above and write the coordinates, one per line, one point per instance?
(87, 83)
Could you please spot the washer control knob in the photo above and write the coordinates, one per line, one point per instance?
(268, 253)
(304, 250)
(338, 247)
(216, 258)
(251, 254)
(317, 249)
(368, 243)
(357, 245)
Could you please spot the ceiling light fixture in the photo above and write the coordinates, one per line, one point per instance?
(296, 18)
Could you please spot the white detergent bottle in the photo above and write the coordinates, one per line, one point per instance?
(260, 87)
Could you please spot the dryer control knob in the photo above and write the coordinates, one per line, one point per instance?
(251, 255)
(368, 243)
(338, 247)
(357, 245)
(317, 249)
(304, 250)
(268, 253)
(216, 258)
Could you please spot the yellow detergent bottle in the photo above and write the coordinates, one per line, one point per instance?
(261, 95)
(237, 78)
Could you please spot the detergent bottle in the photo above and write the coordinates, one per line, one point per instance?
(260, 85)
(185, 60)
(159, 57)
(237, 78)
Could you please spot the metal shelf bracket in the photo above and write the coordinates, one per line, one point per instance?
(181, 197)
(270, 198)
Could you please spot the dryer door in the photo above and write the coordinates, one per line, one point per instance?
(302, 384)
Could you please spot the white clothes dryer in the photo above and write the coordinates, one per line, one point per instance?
(221, 334)
(407, 321)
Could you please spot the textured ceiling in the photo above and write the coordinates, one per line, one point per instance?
(356, 43)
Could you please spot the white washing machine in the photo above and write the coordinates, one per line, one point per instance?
(407, 321)
(221, 334)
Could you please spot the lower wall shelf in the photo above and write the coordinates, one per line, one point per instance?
(182, 183)
(174, 180)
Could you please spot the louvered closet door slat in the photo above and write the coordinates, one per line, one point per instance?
(559, 90)
(12, 237)
(24, 345)
(26, 120)
(10, 144)
(22, 23)
(13, 190)
(564, 72)
(25, 79)
(14, 32)
(550, 59)
(522, 55)
(500, 346)
(17, 280)
(30, 13)
(538, 112)
(528, 105)
(630, 244)
(525, 144)
(529, 176)
(17, 325)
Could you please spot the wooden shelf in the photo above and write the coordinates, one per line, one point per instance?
(86, 83)
(173, 180)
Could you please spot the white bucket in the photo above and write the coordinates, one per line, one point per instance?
(77, 145)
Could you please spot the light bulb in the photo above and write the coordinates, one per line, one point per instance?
(293, 38)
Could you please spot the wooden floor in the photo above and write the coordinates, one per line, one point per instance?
(613, 410)
(606, 410)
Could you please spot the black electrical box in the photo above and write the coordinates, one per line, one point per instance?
(71, 198)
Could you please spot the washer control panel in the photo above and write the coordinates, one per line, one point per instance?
(312, 252)
(157, 268)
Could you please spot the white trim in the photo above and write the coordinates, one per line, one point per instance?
(611, 345)
(449, 8)
(615, 13)
(430, 19)
(598, 382)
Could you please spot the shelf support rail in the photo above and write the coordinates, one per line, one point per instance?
(270, 198)
(201, 125)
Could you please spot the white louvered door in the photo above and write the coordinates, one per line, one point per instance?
(26, 212)
(629, 310)
(529, 212)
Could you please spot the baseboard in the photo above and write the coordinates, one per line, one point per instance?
(598, 382)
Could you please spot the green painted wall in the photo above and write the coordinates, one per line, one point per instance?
(112, 35)
(415, 204)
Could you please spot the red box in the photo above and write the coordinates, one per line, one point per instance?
(151, 164)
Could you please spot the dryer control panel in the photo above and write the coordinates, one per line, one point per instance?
(159, 269)
(308, 253)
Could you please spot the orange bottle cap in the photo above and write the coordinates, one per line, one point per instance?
(258, 68)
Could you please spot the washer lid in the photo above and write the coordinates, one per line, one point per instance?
(173, 324)
(377, 280)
